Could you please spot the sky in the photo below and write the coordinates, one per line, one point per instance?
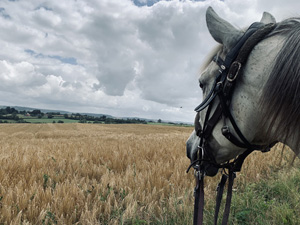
(125, 58)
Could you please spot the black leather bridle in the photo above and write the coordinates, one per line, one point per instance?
(223, 87)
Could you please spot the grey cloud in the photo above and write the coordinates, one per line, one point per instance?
(4, 14)
(160, 39)
(113, 57)
(171, 67)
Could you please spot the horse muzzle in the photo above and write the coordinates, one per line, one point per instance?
(203, 158)
(207, 162)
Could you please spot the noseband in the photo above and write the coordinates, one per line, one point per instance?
(223, 87)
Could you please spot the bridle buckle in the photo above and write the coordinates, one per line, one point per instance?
(225, 130)
(234, 71)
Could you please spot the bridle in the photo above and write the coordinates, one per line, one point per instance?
(223, 87)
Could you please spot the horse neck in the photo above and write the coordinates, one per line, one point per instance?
(281, 93)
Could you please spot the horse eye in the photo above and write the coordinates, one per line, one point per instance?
(201, 85)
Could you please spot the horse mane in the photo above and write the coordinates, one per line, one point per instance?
(281, 95)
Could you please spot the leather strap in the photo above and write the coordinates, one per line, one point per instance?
(242, 57)
(199, 198)
(212, 122)
(220, 190)
(234, 52)
(228, 198)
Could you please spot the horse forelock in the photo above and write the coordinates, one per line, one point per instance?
(281, 95)
(210, 56)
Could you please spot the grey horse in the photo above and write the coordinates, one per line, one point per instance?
(266, 100)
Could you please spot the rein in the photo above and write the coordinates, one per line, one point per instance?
(223, 87)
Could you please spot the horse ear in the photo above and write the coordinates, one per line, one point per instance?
(267, 18)
(221, 30)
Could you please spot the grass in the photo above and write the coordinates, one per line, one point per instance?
(275, 200)
(272, 201)
(128, 174)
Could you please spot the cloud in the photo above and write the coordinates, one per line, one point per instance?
(121, 57)
(157, 40)
(14, 76)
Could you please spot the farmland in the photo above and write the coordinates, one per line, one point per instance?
(128, 174)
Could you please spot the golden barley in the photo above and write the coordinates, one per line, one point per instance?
(102, 174)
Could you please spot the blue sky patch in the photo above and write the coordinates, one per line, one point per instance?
(67, 60)
(145, 2)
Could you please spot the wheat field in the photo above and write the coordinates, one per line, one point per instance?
(104, 174)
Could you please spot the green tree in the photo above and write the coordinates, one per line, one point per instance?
(35, 112)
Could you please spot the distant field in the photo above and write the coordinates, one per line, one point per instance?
(128, 174)
(46, 120)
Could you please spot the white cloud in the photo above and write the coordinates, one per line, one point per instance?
(113, 57)
(15, 76)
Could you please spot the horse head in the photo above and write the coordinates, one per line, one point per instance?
(250, 98)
